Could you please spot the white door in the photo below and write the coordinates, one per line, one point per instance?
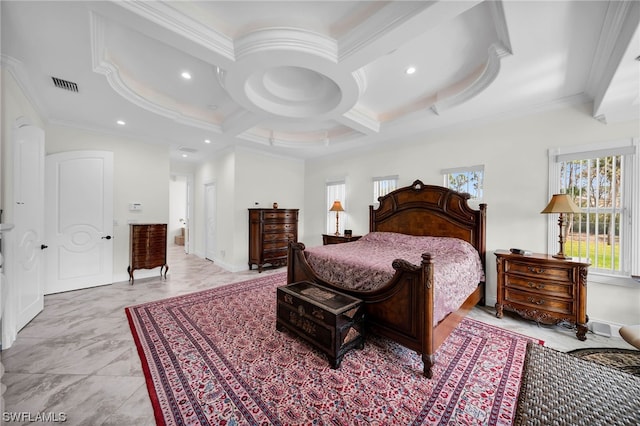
(210, 217)
(79, 221)
(28, 275)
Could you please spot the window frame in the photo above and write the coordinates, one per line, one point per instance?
(630, 210)
(469, 169)
(392, 182)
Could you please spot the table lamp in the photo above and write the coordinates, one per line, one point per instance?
(336, 207)
(561, 203)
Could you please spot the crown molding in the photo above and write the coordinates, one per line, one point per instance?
(286, 39)
(610, 49)
(382, 23)
(496, 9)
(102, 65)
(476, 83)
(162, 14)
(252, 135)
(359, 120)
(21, 77)
(240, 121)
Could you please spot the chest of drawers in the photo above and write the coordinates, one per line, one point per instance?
(270, 231)
(147, 247)
(542, 288)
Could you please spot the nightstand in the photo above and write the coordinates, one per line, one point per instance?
(338, 239)
(542, 288)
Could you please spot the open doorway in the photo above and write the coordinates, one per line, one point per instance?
(210, 220)
(179, 211)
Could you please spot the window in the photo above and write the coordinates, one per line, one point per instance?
(335, 192)
(602, 180)
(383, 186)
(465, 179)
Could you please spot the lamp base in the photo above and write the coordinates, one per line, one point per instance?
(561, 256)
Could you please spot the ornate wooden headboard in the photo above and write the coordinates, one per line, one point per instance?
(429, 210)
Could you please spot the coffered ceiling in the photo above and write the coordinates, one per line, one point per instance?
(310, 78)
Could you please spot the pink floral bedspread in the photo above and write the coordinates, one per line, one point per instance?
(366, 265)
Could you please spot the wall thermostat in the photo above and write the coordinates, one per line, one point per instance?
(135, 206)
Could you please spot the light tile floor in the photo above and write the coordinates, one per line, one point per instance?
(78, 357)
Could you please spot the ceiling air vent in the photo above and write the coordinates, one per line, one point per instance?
(65, 84)
(189, 150)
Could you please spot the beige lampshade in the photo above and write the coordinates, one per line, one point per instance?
(336, 207)
(561, 203)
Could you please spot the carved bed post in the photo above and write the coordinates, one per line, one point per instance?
(428, 347)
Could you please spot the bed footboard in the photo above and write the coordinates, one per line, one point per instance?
(401, 310)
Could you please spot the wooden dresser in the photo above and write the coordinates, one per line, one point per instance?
(270, 231)
(544, 289)
(147, 247)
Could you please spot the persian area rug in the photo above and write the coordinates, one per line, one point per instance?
(627, 360)
(215, 358)
(563, 390)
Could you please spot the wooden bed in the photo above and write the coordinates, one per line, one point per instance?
(402, 309)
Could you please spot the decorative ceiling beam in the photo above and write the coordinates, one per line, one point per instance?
(392, 26)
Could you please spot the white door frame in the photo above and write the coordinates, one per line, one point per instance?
(209, 211)
(188, 241)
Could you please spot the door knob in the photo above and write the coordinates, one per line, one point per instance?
(108, 237)
(42, 247)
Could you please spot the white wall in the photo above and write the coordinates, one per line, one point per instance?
(515, 155)
(221, 172)
(244, 177)
(141, 175)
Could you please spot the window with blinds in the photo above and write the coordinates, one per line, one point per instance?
(383, 186)
(335, 191)
(601, 182)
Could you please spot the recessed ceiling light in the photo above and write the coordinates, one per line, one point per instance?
(184, 155)
(207, 141)
(186, 75)
(121, 122)
(410, 70)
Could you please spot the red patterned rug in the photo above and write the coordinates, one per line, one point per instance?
(215, 358)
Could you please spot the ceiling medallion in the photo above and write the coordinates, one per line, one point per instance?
(292, 91)
(290, 73)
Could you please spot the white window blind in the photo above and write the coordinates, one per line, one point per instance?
(336, 190)
(383, 186)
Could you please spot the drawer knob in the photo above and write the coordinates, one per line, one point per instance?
(536, 301)
(535, 270)
(538, 286)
